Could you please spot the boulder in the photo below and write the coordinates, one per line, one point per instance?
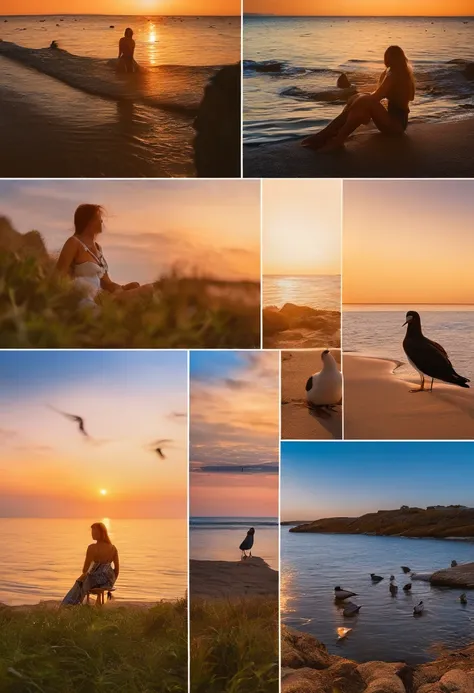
(303, 650)
(274, 321)
(457, 681)
(343, 81)
(469, 71)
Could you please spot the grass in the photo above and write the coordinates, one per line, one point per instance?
(234, 646)
(40, 310)
(90, 650)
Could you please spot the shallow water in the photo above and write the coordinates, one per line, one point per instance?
(319, 292)
(73, 116)
(385, 628)
(376, 331)
(41, 558)
(313, 51)
(218, 538)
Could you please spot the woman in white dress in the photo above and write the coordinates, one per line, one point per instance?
(82, 260)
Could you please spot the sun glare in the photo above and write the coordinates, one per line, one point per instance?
(103, 491)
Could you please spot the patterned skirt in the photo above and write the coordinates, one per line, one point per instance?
(100, 575)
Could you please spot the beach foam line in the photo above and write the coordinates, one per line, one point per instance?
(98, 78)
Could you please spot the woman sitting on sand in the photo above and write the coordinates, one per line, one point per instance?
(97, 570)
(396, 85)
(126, 62)
(81, 259)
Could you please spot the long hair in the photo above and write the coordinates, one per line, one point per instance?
(104, 535)
(396, 61)
(128, 33)
(83, 217)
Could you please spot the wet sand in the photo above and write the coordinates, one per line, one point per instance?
(379, 406)
(298, 421)
(427, 150)
(251, 577)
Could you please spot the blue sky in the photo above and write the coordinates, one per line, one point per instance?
(128, 400)
(320, 479)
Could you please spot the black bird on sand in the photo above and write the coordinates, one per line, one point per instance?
(427, 357)
(247, 543)
(72, 417)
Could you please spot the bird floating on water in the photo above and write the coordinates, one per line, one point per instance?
(343, 632)
(393, 588)
(454, 564)
(406, 569)
(376, 578)
(463, 598)
(324, 388)
(247, 543)
(351, 609)
(343, 594)
(418, 609)
(407, 587)
(427, 357)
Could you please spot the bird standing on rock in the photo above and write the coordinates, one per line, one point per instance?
(427, 357)
(247, 543)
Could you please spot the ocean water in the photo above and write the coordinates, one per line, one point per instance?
(309, 53)
(378, 331)
(219, 538)
(69, 114)
(385, 628)
(320, 292)
(41, 558)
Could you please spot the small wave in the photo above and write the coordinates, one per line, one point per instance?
(98, 78)
(334, 95)
(279, 67)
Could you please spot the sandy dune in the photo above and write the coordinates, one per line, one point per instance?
(250, 577)
(379, 406)
(440, 150)
(298, 422)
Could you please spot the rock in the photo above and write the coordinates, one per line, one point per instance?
(303, 650)
(217, 144)
(469, 71)
(304, 681)
(274, 321)
(386, 684)
(343, 81)
(370, 671)
(459, 576)
(457, 680)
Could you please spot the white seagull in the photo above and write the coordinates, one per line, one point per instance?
(324, 389)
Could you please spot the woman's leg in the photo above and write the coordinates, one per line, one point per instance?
(319, 138)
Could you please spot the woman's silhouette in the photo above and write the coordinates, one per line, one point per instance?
(396, 85)
(126, 62)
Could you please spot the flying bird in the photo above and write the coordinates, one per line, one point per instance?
(247, 543)
(158, 447)
(427, 357)
(72, 417)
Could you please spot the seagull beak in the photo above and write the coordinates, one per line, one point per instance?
(405, 323)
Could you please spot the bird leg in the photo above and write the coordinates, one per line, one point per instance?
(420, 389)
(432, 381)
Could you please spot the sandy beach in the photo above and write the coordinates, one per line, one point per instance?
(298, 422)
(441, 150)
(378, 405)
(251, 577)
(300, 327)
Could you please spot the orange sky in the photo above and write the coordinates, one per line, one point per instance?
(117, 7)
(372, 8)
(234, 425)
(127, 399)
(301, 227)
(408, 241)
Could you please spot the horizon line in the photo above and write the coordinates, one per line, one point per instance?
(364, 16)
(100, 14)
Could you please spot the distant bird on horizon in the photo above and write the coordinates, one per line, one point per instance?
(341, 594)
(247, 543)
(418, 609)
(427, 357)
(72, 417)
(406, 569)
(376, 578)
(324, 388)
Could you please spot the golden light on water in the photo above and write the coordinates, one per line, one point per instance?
(152, 47)
(286, 580)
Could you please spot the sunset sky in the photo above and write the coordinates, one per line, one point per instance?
(127, 399)
(234, 424)
(311, 475)
(408, 242)
(116, 7)
(352, 8)
(301, 227)
(209, 226)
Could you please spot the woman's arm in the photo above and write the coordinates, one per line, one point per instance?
(108, 285)
(384, 87)
(66, 257)
(87, 561)
(116, 564)
(120, 47)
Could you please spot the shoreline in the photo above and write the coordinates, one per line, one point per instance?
(378, 406)
(116, 602)
(427, 150)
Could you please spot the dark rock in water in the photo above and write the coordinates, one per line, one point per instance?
(217, 149)
(112, 26)
(268, 67)
(274, 321)
(343, 81)
(469, 71)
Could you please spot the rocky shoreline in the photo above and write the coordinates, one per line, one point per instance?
(294, 326)
(307, 667)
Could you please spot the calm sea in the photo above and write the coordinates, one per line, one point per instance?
(378, 331)
(385, 629)
(218, 538)
(320, 292)
(308, 54)
(91, 122)
(41, 558)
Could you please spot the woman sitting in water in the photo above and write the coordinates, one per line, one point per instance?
(81, 259)
(126, 62)
(97, 571)
(396, 85)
